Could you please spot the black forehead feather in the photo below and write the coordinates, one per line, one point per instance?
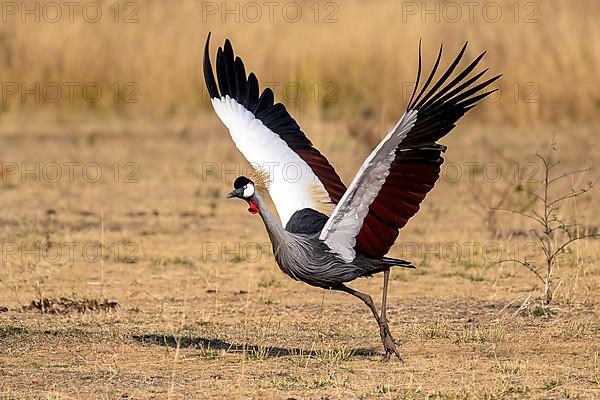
(241, 182)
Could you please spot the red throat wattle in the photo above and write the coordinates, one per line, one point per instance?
(253, 209)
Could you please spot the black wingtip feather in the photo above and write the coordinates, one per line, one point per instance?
(430, 78)
(253, 91)
(242, 86)
(231, 80)
(452, 99)
(265, 101)
(222, 74)
(209, 76)
(444, 77)
(418, 77)
(441, 106)
(452, 89)
(464, 96)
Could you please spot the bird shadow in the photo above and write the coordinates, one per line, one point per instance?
(187, 342)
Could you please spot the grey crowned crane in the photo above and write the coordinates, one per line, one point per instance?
(330, 235)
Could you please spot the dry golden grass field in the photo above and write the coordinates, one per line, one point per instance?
(126, 274)
(203, 312)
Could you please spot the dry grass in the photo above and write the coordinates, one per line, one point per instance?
(195, 323)
(546, 51)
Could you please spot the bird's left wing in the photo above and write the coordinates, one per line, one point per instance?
(299, 176)
(394, 179)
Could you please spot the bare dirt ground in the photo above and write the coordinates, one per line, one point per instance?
(184, 301)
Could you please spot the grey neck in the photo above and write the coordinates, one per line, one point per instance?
(276, 232)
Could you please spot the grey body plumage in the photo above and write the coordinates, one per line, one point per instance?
(304, 257)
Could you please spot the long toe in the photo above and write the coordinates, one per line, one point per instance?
(389, 346)
(390, 349)
(387, 356)
(397, 353)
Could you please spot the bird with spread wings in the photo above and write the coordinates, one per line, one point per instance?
(328, 234)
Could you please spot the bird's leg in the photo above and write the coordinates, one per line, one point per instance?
(364, 297)
(384, 329)
(386, 338)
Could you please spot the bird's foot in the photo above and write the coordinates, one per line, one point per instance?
(388, 343)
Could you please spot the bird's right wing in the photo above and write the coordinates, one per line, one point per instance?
(394, 179)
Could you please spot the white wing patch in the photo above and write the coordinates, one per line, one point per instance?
(347, 218)
(292, 184)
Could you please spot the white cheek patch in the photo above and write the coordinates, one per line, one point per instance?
(249, 191)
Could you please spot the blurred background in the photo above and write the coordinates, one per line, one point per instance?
(332, 60)
(125, 273)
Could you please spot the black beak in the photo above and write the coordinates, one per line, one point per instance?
(236, 193)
